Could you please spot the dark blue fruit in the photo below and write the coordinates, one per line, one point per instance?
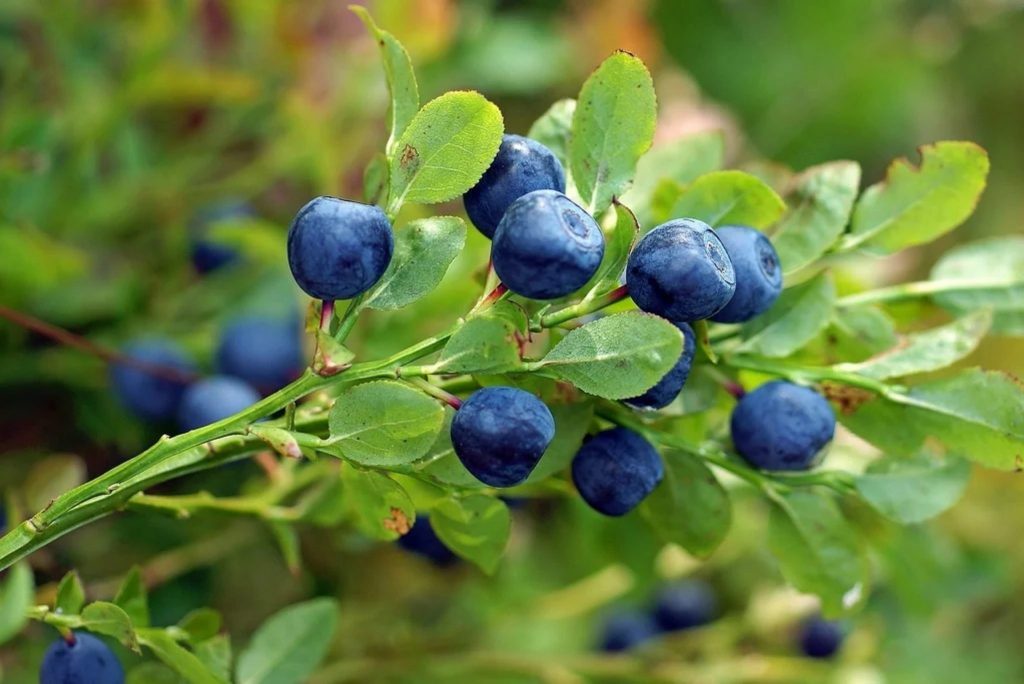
(681, 271)
(820, 638)
(213, 399)
(546, 246)
(500, 433)
(265, 352)
(87, 661)
(668, 388)
(152, 394)
(782, 426)
(521, 166)
(207, 253)
(685, 605)
(422, 540)
(337, 248)
(615, 470)
(758, 274)
(626, 630)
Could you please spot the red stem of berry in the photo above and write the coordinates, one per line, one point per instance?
(326, 314)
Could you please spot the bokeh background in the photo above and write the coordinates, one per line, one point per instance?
(123, 121)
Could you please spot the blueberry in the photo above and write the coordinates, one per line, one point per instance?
(337, 248)
(820, 638)
(500, 433)
(151, 395)
(265, 352)
(213, 399)
(782, 426)
(758, 274)
(681, 271)
(668, 388)
(422, 540)
(209, 254)
(685, 605)
(626, 630)
(87, 661)
(615, 470)
(546, 246)
(521, 166)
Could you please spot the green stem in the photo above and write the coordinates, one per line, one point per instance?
(348, 320)
(923, 288)
(587, 306)
(807, 374)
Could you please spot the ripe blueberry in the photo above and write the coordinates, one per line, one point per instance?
(782, 426)
(207, 253)
(422, 540)
(615, 470)
(337, 248)
(86, 661)
(265, 352)
(521, 166)
(546, 246)
(151, 395)
(500, 433)
(668, 388)
(820, 638)
(626, 630)
(758, 274)
(681, 271)
(685, 605)
(213, 399)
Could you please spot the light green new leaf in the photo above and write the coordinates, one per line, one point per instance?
(817, 551)
(554, 128)
(617, 356)
(690, 507)
(215, 654)
(618, 243)
(612, 127)
(911, 490)
(819, 209)
(380, 507)
(424, 249)
(486, 342)
(926, 351)
(729, 197)
(106, 618)
(445, 150)
(799, 314)
(70, 594)
(178, 658)
(290, 645)
(475, 527)
(16, 596)
(131, 597)
(984, 274)
(914, 205)
(201, 624)
(383, 423)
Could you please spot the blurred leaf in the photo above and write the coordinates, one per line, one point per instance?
(381, 508)
(986, 273)
(70, 594)
(862, 331)
(475, 527)
(201, 624)
(486, 342)
(799, 314)
(618, 242)
(107, 618)
(181, 660)
(911, 490)
(215, 653)
(290, 645)
(287, 539)
(572, 421)
(51, 477)
(131, 597)
(153, 673)
(16, 596)
(612, 127)
(554, 128)
(729, 197)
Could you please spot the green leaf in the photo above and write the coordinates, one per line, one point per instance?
(445, 150)
(424, 249)
(817, 551)
(380, 507)
(796, 318)
(16, 596)
(914, 205)
(554, 128)
(70, 594)
(405, 97)
(201, 624)
(859, 332)
(820, 203)
(926, 351)
(151, 672)
(287, 540)
(290, 645)
(984, 274)
(618, 243)
(476, 527)
(383, 423)
(612, 127)
(131, 597)
(487, 342)
(911, 490)
(215, 653)
(180, 659)
(571, 424)
(375, 179)
(729, 197)
(690, 507)
(617, 356)
(110, 619)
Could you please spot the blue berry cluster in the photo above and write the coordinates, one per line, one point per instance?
(677, 607)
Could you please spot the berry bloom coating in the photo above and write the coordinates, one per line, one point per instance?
(681, 271)
(626, 630)
(265, 352)
(151, 395)
(685, 605)
(546, 246)
(337, 248)
(782, 426)
(521, 166)
(820, 638)
(213, 399)
(209, 254)
(615, 470)
(422, 540)
(500, 433)
(758, 274)
(668, 388)
(87, 661)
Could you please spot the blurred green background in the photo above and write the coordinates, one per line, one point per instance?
(121, 120)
